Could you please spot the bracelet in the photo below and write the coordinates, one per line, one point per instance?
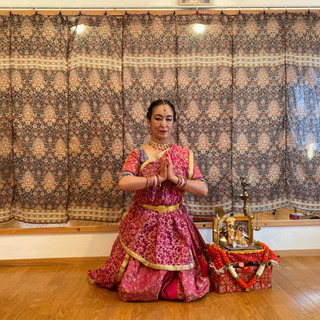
(159, 181)
(149, 182)
(184, 183)
(181, 182)
(155, 181)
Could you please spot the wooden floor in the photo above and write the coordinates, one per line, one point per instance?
(59, 290)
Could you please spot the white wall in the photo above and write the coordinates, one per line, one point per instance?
(74, 245)
(154, 3)
(55, 245)
(290, 238)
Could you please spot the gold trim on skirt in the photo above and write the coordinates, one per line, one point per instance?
(123, 267)
(154, 265)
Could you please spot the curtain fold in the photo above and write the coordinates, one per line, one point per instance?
(6, 152)
(149, 71)
(95, 113)
(303, 103)
(259, 145)
(40, 103)
(204, 80)
(75, 90)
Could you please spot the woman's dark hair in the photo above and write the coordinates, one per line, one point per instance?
(161, 102)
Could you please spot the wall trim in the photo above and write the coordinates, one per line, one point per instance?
(114, 226)
(102, 260)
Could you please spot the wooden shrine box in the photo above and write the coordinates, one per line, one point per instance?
(241, 270)
(224, 282)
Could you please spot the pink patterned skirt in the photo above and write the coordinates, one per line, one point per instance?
(136, 280)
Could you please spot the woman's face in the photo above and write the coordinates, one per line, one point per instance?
(161, 123)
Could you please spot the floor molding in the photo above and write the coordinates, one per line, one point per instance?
(51, 261)
(101, 260)
(297, 252)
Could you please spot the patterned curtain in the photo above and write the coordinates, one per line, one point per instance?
(303, 100)
(258, 130)
(149, 72)
(6, 153)
(39, 79)
(95, 113)
(205, 97)
(75, 91)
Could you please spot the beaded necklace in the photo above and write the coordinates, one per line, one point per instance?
(160, 146)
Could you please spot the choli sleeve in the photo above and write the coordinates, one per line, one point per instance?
(196, 172)
(131, 165)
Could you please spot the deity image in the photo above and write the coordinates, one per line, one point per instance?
(241, 236)
(231, 232)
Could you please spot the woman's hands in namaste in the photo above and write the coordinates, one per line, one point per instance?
(166, 169)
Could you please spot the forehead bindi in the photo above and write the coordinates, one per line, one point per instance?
(163, 110)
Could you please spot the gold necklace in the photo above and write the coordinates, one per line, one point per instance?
(160, 146)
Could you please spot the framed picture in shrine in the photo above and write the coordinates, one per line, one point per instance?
(234, 232)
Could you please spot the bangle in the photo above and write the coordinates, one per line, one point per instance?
(155, 181)
(159, 181)
(149, 182)
(182, 181)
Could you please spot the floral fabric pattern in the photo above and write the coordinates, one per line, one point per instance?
(157, 242)
(258, 133)
(95, 113)
(303, 96)
(6, 152)
(39, 80)
(75, 90)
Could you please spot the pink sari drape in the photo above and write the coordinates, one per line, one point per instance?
(159, 252)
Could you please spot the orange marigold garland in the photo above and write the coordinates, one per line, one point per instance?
(232, 270)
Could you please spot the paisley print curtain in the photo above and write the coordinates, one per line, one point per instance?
(95, 113)
(303, 110)
(149, 71)
(6, 152)
(75, 90)
(204, 98)
(258, 132)
(39, 87)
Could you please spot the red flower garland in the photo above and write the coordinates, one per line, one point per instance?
(251, 283)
